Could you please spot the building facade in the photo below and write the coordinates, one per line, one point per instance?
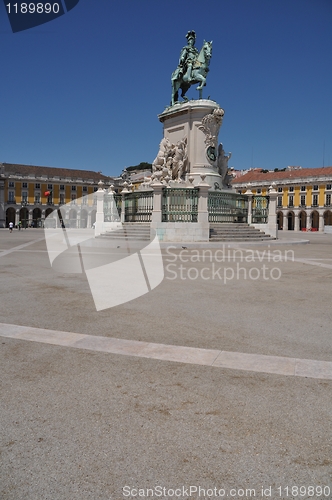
(304, 200)
(28, 194)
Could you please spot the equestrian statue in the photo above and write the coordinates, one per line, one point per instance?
(193, 68)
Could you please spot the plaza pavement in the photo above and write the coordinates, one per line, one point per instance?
(206, 382)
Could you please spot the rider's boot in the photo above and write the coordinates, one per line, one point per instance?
(187, 76)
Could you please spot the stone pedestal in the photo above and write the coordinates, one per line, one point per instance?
(198, 122)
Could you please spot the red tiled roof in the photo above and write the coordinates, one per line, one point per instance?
(253, 176)
(62, 173)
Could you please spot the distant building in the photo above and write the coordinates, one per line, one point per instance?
(135, 175)
(30, 193)
(304, 195)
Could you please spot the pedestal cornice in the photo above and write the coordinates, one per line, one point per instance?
(186, 107)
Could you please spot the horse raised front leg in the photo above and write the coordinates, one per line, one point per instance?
(202, 80)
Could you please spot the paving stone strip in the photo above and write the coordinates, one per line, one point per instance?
(19, 247)
(209, 357)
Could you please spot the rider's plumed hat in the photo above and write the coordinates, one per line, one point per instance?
(191, 34)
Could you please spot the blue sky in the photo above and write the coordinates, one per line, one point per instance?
(84, 90)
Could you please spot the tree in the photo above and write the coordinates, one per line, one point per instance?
(142, 166)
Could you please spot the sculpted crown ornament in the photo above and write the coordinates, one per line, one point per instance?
(211, 124)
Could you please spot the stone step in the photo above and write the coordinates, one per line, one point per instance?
(229, 224)
(129, 232)
(218, 232)
(236, 232)
(233, 228)
(237, 236)
(240, 234)
(224, 240)
(136, 224)
(125, 238)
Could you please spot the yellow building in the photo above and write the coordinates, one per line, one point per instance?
(28, 194)
(304, 195)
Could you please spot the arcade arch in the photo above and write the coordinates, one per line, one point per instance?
(280, 220)
(290, 221)
(10, 216)
(48, 211)
(36, 217)
(328, 218)
(314, 220)
(84, 219)
(302, 220)
(72, 218)
(24, 217)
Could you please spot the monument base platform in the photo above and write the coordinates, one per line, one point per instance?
(198, 123)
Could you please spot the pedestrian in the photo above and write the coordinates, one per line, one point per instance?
(19, 225)
(11, 225)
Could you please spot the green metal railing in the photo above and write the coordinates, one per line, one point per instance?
(227, 207)
(118, 203)
(260, 209)
(180, 205)
(138, 206)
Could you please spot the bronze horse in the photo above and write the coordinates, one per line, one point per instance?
(198, 75)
